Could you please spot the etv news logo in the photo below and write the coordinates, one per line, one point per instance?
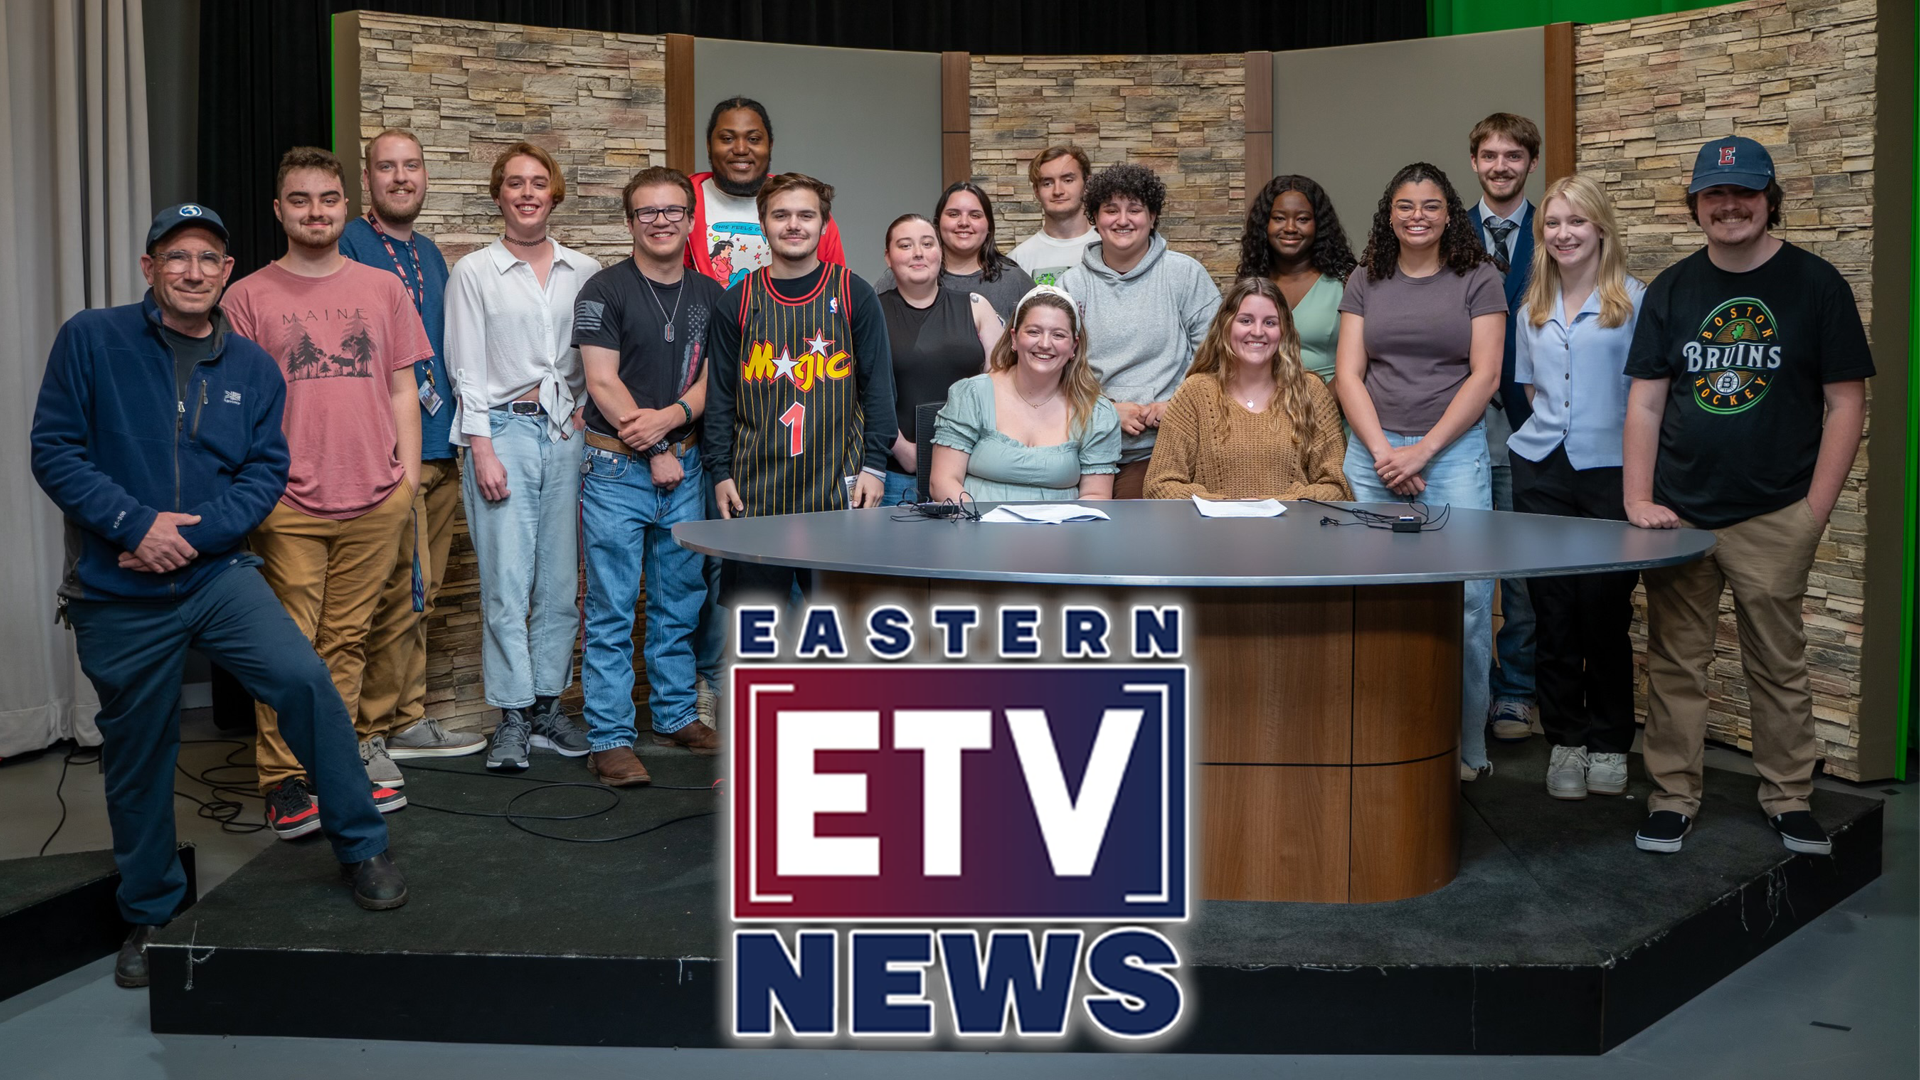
(875, 797)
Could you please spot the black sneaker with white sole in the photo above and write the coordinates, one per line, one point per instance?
(1801, 833)
(291, 811)
(1663, 832)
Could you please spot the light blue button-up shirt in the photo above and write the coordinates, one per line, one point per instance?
(1579, 387)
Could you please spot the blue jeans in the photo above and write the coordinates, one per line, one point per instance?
(528, 549)
(629, 532)
(710, 639)
(133, 652)
(1457, 476)
(1512, 678)
(902, 488)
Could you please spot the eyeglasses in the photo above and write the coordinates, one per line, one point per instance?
(647, 215)
(175, 262)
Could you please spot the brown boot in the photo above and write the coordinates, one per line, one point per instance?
(618, 767)
(696, 737)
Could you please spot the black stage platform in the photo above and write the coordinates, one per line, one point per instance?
(57, 913)
(1558, 937)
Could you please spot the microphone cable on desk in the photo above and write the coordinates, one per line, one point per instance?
(1420, 521)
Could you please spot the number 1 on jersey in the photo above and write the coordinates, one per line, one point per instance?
(796, 420)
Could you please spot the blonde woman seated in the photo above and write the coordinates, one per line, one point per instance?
(1033, 428)
(1249, 422)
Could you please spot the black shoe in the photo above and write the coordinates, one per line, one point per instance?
(130, 970)
(377, 884)
(1801, 833)
(291, 811)
(1663, 832)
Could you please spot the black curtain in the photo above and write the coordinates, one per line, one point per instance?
(265, 67)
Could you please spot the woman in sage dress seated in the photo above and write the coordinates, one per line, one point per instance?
(1034, 427)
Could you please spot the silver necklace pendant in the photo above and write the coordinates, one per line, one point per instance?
(669, 332)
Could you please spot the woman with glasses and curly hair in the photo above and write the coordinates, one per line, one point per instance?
(1422, 332)
(1249, 422)
(1034, 427)
(1293, 238)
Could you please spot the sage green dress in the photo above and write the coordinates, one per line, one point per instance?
(1317, 318)
(1002, 469)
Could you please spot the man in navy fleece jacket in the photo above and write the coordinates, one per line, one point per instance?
(157, 433)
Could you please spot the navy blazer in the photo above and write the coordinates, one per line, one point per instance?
(1519, 270)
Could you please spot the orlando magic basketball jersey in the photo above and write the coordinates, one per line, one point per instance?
(797, 418)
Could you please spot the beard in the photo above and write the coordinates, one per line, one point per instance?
(738, 190)
(300, 238)
(388, 210)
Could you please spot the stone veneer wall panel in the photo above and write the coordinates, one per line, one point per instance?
(597, 103)
(1798, 76)
(1184, 116)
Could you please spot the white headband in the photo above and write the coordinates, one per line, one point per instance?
(1073, 306)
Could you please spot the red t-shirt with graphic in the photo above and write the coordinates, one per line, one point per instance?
(337, 340)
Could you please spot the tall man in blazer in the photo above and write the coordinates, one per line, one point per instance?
(1506, 150)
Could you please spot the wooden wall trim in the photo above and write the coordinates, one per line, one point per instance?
(346, 104)
(1559, 134)
(956, 117)
(1259, 120)
(683, 126)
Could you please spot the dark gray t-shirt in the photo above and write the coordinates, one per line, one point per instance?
(187, 351)
(1418, 334)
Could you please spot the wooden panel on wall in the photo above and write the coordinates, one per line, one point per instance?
(1257, 828)
(684, 127)
(1557, 126)
(1275, 674)
(346, 108)
(1406, 671)
(1406, 829)
(1259, 120)
(956, 120)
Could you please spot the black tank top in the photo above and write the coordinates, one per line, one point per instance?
(933, 348)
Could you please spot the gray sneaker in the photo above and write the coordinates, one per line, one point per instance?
(1607, 774)
(380, 767)
(509, 749)
(706, 703)
(1567, 772)
(428, 739)
(554, 730)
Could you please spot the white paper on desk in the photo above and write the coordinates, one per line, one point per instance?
(1238, 508)
(1043, 514)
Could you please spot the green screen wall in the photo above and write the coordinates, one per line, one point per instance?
(1479, 16)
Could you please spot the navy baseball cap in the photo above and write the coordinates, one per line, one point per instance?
(1734, 161)
(174, 217)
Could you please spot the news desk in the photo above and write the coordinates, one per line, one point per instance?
(1325, 660)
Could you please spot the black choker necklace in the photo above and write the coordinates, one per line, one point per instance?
(524, 243)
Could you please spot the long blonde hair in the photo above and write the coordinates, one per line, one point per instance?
(1215, 356)
(1588, 199)
(1083, 390)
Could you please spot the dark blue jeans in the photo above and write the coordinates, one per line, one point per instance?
(133, 652)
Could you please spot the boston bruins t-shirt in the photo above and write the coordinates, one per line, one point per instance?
(1749, 355)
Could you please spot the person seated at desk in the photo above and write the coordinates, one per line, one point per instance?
(939, 337)
(1034, 427)
(1249, 422)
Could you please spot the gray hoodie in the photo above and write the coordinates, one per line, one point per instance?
(1142, 326)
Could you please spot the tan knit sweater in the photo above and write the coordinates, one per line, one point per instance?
(1208, 445)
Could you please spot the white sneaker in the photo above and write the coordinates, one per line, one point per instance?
(1567, 772)
(1510, 721)
(1468, 774)
(1607, 774)
(706, 704)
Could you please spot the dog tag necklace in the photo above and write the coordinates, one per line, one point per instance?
(651, 291)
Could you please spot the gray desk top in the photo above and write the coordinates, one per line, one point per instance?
(1167, 542)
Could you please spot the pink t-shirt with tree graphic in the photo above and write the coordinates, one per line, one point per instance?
(337, 340)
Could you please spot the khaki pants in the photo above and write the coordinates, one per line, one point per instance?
(1766, 560)
(328, 575)
(393, 692)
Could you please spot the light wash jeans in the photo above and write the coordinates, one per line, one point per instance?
(528, 548)
(903, 487)
(1459, 477)
(1512, 678)
(629, 532)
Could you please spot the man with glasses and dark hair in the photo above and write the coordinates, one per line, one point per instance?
(641, 327)
(392, 721)
(158, 502)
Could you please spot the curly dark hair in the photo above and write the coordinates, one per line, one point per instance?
(1332, 255)
(1125, 178)
(1458, 250)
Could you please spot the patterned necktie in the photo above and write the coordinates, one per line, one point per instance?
(1500, 231)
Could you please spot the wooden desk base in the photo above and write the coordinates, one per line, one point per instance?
(1327, 724)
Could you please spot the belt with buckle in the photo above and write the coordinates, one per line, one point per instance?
(525, 408)
(614, 446)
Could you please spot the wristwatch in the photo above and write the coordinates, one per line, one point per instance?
(654, 451)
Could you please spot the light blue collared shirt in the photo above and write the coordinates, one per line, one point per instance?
(1579, 384)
